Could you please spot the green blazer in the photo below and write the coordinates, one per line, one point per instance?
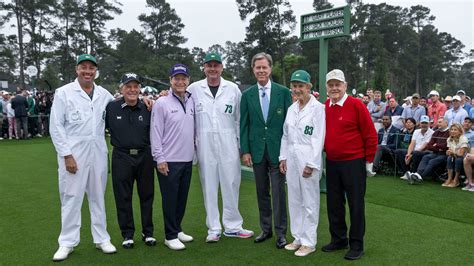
(254, 132)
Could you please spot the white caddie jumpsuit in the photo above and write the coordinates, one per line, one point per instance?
(77, 126)
(301, 145)
(217, 142)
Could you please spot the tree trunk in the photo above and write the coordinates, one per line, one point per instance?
(19, 21)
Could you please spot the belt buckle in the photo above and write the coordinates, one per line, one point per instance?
(133, 152)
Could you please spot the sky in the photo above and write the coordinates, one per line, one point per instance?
(208, 22)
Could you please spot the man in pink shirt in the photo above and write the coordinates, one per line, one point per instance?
(436, 109)
(172, 147)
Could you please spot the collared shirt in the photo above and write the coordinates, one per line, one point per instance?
(372, 107)
(454, 145)
(129, 126)
(172, 129)
(435, 111)
(421, 139)
(415, 113)
(340, 102)
(470, 137)
(455, 116)
(385, 135)
(268, 91)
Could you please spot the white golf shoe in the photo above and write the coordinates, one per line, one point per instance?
(184, 237)
(106, 247)
(62, 253)
(175, 244)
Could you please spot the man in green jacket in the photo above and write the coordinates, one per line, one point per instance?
(262, 113)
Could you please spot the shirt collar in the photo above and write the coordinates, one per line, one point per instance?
(340, 102)
(267, 86)
(124, 104)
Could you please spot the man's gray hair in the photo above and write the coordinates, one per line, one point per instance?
(260, 56)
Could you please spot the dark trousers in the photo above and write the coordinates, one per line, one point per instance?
(33, 125)
(429, 162)
(126, 169)
(22, 123)
(267, 175)
(415, 160)
(174, 193)
(346, 179)
(382, 150)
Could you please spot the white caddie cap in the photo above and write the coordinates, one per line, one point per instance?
(335, 74)
(433, 92)
(456, 98)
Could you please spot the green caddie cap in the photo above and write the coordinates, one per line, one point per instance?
(301, 76)
(212, 56)
(86, 57)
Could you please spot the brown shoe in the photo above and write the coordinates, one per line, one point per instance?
(454, 184)
(304, 251)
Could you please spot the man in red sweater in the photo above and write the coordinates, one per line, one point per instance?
(350, 144)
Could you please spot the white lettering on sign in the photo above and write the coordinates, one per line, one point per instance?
(322, 33)
(324, 24)
(325, 15)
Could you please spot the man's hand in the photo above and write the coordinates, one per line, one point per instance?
(148, 103)
(71, 165)
(369, 168)
(163, 168)
(283, 166)
(163, 93)
(247, 159)
(408, 159)
(307, 172)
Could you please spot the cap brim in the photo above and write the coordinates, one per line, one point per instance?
(215, 60)
(179, 72)
(299, 80)
(335, 79)
(130, 80)
(86, 60)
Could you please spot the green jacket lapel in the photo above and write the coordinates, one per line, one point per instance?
(255, 100)
(274, 97)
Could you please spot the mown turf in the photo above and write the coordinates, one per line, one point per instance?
(423, 224)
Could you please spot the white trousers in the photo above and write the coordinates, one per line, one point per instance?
(91, 178)
(303, 203)
(227, 175)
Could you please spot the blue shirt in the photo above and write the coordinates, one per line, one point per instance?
(470, 137)
(415, 113)
(376, 115)
(455, 116)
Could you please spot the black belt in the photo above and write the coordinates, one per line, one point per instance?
(132, 151)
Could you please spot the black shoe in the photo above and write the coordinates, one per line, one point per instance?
(128, 243)
(263, 236)
(149, 240)
(281, 242)
(333, 247)
(354, 254)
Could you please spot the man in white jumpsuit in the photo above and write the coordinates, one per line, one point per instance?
(301, 160)
(77, 130)
(217, 105)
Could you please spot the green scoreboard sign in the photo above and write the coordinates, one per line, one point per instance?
(325, 24)
(322, 26)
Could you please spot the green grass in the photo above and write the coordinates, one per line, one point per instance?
(423, 224)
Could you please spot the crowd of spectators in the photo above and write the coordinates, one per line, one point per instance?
(24, 115)
(425, 137)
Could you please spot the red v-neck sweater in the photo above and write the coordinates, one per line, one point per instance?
(350, 132)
